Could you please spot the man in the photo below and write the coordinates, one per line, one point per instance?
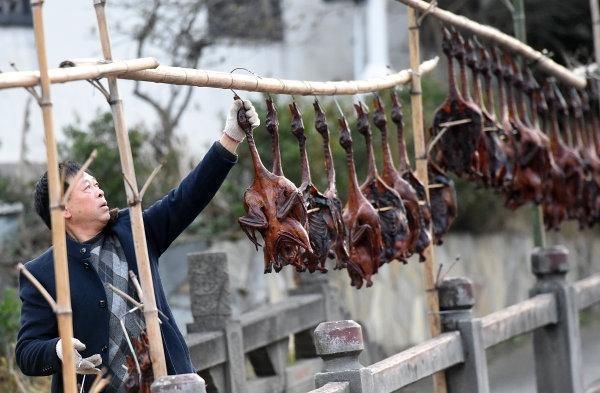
(100, 250)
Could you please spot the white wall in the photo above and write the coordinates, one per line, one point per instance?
(317, 46)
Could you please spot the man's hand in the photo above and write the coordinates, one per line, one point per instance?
(82, 365)
(232, 128)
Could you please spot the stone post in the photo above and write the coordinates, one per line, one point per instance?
(339, 344)
(557, 347)
(211, 308)
(318, 283)
(182, 383)
(457, 299)
(310, 284)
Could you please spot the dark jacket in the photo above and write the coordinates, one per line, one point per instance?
(163, 221)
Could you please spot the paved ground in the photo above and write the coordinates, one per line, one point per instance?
(511, 367)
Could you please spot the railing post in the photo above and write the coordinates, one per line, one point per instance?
(339, 344)
(211, 308)
(456, 299)
(316, 283)
(557, 347)
(182, 383)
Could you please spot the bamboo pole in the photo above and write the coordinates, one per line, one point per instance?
(157, 354)
(416, 101)
(223, 80)
(23, 270)
(134, 70)
(595, 11)
(80, 72)
(518, 15)
(59, 251)
(496, 36)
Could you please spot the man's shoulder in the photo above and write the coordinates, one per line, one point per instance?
(120, 218)
(42, 264)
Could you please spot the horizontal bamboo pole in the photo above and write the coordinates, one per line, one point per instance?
(80, 72)
(223, 80)
(496, 36)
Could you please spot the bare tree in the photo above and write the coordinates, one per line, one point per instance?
(180, 30)
(175, 29)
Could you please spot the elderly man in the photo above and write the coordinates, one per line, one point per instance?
(100, 249)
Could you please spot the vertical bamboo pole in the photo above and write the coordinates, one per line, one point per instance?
(416, 101)
(596, 29)
(595, 11)
(59, 251)
(157, 354)
(518, 15)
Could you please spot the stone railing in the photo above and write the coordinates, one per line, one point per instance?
(551, 314)
(249, 352)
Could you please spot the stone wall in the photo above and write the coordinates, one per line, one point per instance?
(392, 312)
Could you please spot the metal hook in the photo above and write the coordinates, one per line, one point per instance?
(247, 70)
(438, 279)
(338, 106)
(30, 90)
(95, 82)
(133, 354)
(429, 10)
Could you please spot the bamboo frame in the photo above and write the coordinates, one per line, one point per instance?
(416, 101)
(59, 251)
(150, 311)
(138, 69)
(223, 80)
(80, 72)
(496, 36)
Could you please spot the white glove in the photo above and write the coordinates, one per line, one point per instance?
(232, 128)
(82, 365)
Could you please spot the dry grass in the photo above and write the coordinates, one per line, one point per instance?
(13, 381)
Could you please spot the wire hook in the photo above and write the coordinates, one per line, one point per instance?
(337, 104)
(251, 72)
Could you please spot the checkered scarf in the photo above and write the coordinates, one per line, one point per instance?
(108, 258)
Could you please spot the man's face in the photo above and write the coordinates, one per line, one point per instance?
(86, 206)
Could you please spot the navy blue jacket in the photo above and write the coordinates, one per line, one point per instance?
(163, 221)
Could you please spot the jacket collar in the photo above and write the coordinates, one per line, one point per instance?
(82, 249)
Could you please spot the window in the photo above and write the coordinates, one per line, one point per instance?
(15, 13)
(247, 19)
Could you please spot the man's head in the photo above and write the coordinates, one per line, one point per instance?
(86, 207)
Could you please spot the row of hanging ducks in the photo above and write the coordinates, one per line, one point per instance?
(385, 218)
(546, 152)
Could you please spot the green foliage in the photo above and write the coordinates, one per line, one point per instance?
(564, 29)
(479, 209)
(99, 134)
(9, 192)
(10, 310)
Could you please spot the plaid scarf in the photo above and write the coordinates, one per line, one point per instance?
(108, 258)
